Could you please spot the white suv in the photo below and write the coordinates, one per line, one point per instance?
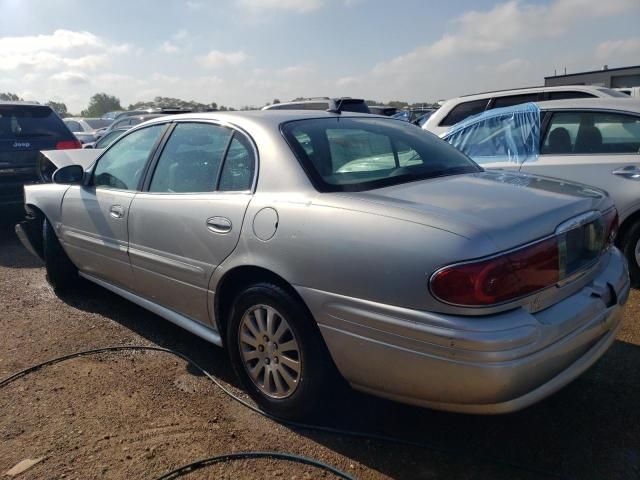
(457, 109)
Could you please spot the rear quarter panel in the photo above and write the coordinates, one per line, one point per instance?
(349, 252)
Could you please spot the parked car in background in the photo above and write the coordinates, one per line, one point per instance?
(85, 128)
(107, 139)
(457, 109)
(633, 92)
(311, 256)
(112, 115)
(414, 115)
(25, 129)
(344, 104)
(382, 110)
(591, 141)
(127, 122)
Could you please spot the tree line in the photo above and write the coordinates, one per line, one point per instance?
(101, 103)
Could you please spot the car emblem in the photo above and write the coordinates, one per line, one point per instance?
(21, 145)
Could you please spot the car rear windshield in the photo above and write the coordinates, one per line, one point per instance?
(22, 121)
(355, 154)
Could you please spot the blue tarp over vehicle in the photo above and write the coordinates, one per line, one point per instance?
(511, 133)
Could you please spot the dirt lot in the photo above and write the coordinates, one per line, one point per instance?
(138, 415)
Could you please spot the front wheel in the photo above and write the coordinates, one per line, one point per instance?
(278, 352)
(630, 246)
(62, 274)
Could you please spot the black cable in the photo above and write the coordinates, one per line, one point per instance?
(230, 457)
(303, 426)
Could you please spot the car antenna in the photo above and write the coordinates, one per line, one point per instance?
(334, 107)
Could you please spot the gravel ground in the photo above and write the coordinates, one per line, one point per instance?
(138, 415)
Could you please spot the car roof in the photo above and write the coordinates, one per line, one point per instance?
(613, 103)
(524, 90)
(264, 118)
(22, 103)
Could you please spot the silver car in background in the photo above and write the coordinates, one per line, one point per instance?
(591, 141)
(315, 243)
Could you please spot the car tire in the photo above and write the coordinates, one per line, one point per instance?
(280, 332)
(62, 274)
(630, 246)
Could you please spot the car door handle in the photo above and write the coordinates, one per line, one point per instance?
(219, 224)
(631, 172)
(116, 211)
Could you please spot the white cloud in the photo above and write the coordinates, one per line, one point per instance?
(299, 6)
(169, 48)
(194, 5)
(614, 49)
(63, 48)
(71, 78)
(218, 59)
(513, 65)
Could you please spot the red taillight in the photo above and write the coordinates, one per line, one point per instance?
(499, 279)
(68, 144)
(611, 224)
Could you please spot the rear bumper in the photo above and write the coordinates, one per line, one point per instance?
(492, 364)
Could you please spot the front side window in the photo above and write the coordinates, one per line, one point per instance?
(464, 110)
(354, 154)
(121, 166)
(190, 160)
(511, 133)
(592, 133)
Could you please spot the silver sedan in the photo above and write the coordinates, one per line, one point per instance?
(312, 244)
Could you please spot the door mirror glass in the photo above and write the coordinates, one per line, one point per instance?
(71, 174)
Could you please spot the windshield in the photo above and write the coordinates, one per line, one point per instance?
(355, 154)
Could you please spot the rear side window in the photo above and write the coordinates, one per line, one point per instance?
(122, 165)
(592, 133)
(29, 121)
(568, 94)
(464, 110)
(511, 100)
(191, 159)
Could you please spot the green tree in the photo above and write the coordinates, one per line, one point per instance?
(59, 107)
(9, 97)
(100, 104)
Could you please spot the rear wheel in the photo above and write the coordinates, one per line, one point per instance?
(278, 352)
(62, 274)
(630, 246)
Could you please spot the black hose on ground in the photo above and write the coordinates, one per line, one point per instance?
(318, 428)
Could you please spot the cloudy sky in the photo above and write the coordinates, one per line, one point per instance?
(247, 52)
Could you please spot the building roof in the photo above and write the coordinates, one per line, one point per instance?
(617, 69)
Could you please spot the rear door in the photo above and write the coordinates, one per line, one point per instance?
(599, 148)
(95, 216)
(189, 218)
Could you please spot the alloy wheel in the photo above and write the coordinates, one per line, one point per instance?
(270, 351)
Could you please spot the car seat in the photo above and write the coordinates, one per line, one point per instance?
(559, 141)
(588, 140)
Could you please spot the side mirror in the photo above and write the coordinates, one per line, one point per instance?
(71, 174)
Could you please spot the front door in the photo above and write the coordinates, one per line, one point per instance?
(595, 148)
(94, 216)
(189, 218)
